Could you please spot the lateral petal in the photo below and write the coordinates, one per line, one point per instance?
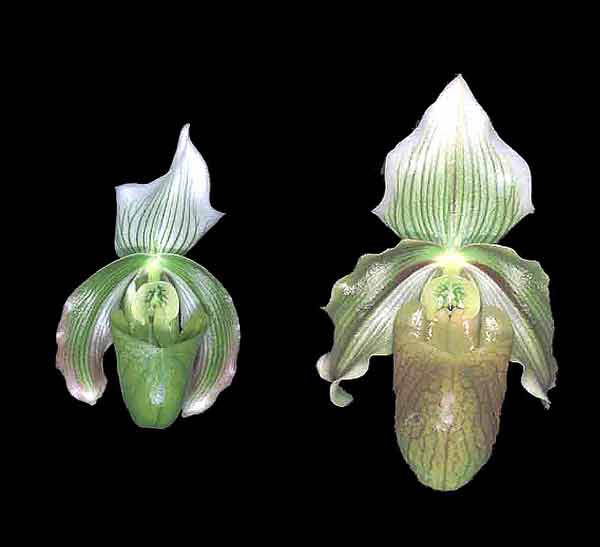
(215, 364)
(363, 306)
(83, 334)
(520, 288)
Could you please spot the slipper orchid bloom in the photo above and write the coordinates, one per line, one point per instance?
(450, 304)
(174, 326)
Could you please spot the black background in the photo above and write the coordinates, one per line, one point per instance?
(294, 142)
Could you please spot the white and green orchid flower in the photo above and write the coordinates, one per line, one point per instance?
(450, 304)
(174, 326)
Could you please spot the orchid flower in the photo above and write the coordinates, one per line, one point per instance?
(174, 326)
(450, 304)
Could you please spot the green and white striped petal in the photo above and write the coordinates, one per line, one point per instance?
(216, 361)
(363, 306)
(520, 288)
(83, 333)
(453, 181)
(170, 214)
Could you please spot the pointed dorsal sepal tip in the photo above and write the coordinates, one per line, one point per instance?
(453, 181)
(184, 134)
(456, 108)
(171, 213)
(182, 144)
(457, 85)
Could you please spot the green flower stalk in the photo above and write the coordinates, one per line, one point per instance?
(173, 325)
(450, 304)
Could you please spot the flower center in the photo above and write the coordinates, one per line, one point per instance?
(450, 292)
(156, 301)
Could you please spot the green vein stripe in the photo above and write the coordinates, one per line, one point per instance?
(168, 217)
(363, 305)
(84, 334)
(451, 181)
(215, 364)
(427, 196)
(520, 287)
(458, 191)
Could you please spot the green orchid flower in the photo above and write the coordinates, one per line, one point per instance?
(174, 327)
(450, 304)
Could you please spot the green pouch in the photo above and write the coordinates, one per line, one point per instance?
(449, 381)
(153, 378)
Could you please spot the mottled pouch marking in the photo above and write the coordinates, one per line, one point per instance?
(450, 381)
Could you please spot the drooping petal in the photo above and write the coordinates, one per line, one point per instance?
(363, 306)
(453, 181)
(170, 214)
(216, 362)
(83, 333)
(520, 288)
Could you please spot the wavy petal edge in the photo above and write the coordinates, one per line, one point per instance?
(363, 306)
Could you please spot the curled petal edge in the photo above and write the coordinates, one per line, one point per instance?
(215, 364)
(363, 306)
(83, 333)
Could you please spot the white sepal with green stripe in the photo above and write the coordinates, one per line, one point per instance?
(170, 214)
(453, 181)
(520, 288)
(83, 334)
(364, 304)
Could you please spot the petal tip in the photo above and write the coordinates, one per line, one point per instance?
(171, 213)
(182, 143)
(185, 132)
(89, 396)
(457, 129)
(324, 368)
(457, 87)
(457, 102)
(339, 397)
(192, 407)
(379, 210)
